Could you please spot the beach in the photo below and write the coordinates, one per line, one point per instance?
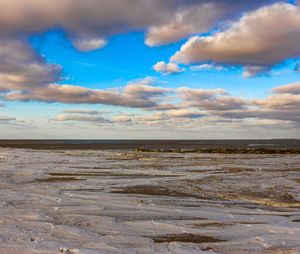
(130, 201)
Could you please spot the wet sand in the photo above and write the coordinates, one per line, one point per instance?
(126, 201)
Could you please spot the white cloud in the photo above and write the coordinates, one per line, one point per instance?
(122, 118)
(134, 94)
(192, 107)
(293, 88)
(196, 18)
(81, 118)
(253, 71)
(251, 41)
(88, 44)
(167, 68)
(81, 111)
(203, 67)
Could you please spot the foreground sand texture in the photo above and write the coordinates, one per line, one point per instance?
(119, 201)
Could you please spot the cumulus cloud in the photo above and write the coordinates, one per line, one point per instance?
(167, 68)
(253, 71)
(285, 98)
(204, 67)
(136, 94)
(215, 99)
(186, 113)
(81, 118)
(98, 19)
(258, 45)
(283, 106)
(88, 24)
(157, 117)
(21, 67)
(124, 118)
(93, 117)
(179, 116)
(88, 44)
(193, 19)
(81, 111)
(196, 18)
(77, 94)
(198, 106)
(293, 88)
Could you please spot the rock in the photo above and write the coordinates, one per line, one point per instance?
(64, 250)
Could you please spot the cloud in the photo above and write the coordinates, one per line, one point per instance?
(78, 94)
(99, 19)
(258, 45)
(281, 101)
(204, 67)
(199, 94)
(283, 106)
(285, 98)
(215, 99)
(293, 88)
(171, 117)
(21, 67)
(193, 19)
(253, 71)
(196, 18)
(135, 94)
(167, 68)
(6, 119)
(157, 117)
(88, 44)
(81, 111)
(186, 113)
(125, 118)
(88, 24)
(81, 118)
(193, 107)
(13, 122)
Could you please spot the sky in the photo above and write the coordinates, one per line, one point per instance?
(137, 69)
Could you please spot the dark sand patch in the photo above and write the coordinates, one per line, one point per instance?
(212, 224)
(150, 190)
(186, 238)
(57, 179)
(110, 174)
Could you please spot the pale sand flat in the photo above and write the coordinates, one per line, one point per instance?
(16, 250)
(20, 250)
(270, 251)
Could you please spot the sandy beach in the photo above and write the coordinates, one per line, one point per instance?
(126, 201)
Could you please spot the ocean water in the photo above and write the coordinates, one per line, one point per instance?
(123, 201)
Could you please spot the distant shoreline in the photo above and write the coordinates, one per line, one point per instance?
(201, 146)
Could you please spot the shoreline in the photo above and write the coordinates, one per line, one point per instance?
(272, 146)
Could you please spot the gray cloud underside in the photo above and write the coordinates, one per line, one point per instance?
(93, 19)
(145, 96)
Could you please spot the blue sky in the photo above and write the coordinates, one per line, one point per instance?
(240, 80)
